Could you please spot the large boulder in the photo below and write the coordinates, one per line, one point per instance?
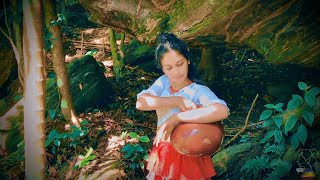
(89, 87)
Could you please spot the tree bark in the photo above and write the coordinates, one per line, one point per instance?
(206, 65)
(117, 63)
(59, 65)
(34, 90)
(121, 49)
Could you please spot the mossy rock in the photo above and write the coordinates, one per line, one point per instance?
(88, 85)
(227, 159)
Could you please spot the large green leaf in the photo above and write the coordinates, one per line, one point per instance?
(144, 139)
(295, 141)
(267, 123)
(265, 114)
(278, 107)
(302, 85)
(290, 123)
(314, 91)
(270, 106)
(278, 134)
(302, 133)
(133, 134)
(308, 116)
(295, 102)
(310, 99)
(277, 120)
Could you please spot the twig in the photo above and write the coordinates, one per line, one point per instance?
(245, 125)
(5, 17)
(16, 54)
(81, 43)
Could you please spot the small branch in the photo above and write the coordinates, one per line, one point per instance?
(16, 54)
(81, 43)
(5, 17)
(245, 125)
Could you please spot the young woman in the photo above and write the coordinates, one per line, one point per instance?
(176, 98)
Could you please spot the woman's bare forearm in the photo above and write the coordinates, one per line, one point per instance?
(211, 113)
(148, 102)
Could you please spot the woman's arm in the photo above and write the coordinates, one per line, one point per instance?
(212, 113)
(148, 102)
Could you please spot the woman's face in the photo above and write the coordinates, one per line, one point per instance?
(175, 66)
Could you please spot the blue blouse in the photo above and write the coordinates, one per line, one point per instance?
(199, 94)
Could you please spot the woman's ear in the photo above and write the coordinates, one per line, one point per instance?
(188, 62)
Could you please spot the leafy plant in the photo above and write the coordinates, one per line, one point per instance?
(84, 160)
(284, 126)
(72, 137)
(136, 150)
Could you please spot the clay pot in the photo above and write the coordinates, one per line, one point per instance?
(196, 139)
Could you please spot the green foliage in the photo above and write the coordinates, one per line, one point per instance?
(255, 167)
(136, 151)
(71, 138)
(85, 160)
(286, 130)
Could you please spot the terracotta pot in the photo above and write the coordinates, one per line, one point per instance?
(196, 139)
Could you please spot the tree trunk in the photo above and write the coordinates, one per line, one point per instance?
(59, 65)
(206, 65)
(117, 64)
(34, 90)
(121, 49)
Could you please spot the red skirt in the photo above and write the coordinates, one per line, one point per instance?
(165, 162)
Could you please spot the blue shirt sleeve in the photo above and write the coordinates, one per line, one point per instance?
(156, 88)
(205, 96)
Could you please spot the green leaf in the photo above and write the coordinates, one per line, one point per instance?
(138, 148)
(53, 133)
(295, 141)
(310, 99)
(277, 120)
(57, 142)
(84, 122)
(270, 106)
(92, 52)
(83, 163)
(303, 86)
(314, 91)
(144, 139)
(52, 113)
(295, 102)
(290, 123)
(279, 106)
(127, 147)
(302, 133)
(128, 154)
(133, 134)
(267, 123)
(141, 165)
(145, 156)
(278, 134)
(308, 116)
(91, 157)
(268, 135)
(265, 114)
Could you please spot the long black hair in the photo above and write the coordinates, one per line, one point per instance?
(167, 41)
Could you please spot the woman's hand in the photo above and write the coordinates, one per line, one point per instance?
(185, 104)
(165, 129)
